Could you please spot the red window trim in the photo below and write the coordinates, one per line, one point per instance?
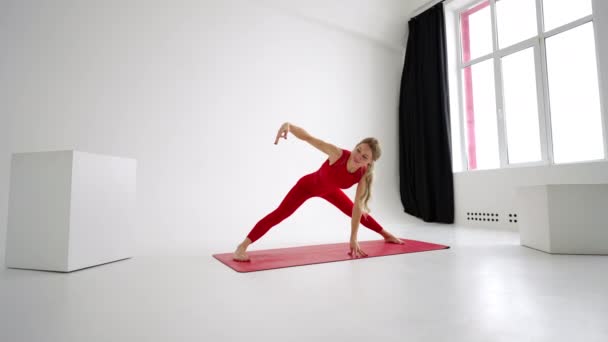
(468, 82)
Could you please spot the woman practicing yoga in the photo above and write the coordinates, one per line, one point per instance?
(342, 170)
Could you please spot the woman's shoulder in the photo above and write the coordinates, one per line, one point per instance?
(338, 158)
(344, 155)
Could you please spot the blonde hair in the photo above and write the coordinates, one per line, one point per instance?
(374, 145)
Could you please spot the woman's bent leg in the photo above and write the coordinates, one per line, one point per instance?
(342, 202)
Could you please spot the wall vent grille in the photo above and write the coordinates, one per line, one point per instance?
(491, 217)
(483, 216)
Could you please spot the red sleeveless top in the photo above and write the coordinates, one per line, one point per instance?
(337, 175)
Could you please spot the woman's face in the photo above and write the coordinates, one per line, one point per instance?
(362, 155)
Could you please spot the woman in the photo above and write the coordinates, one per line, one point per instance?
(342, 170)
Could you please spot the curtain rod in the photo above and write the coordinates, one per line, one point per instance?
(424, 7)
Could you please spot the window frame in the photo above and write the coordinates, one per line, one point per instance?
(537, 43)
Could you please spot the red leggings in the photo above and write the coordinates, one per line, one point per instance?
(304, 189)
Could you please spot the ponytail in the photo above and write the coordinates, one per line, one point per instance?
(369, 178)
(374, 145)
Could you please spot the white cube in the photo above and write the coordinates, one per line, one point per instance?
(69, 210)
(564, 218)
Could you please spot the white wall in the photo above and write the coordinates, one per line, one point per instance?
(4, 161)
(494, 191)
(382, 21)
(195, 90)
(415, 7)
(4, 150)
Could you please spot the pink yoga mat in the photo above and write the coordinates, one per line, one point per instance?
(317, 254)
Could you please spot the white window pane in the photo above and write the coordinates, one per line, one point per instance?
(574, 96)
(561, 12)
(521, 107)
(480, 113)
(476, 29)
(516, 21)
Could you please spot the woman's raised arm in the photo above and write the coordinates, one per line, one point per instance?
(332, 151)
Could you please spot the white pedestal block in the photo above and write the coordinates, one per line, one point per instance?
(564, 218)
(69, 210)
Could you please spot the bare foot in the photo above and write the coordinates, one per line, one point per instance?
(390, 238)
(393, 239)
(240, 254)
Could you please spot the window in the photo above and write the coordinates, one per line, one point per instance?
(529, 89)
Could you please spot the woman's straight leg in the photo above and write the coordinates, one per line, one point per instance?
(292, 201)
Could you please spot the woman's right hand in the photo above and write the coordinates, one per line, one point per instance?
(283, 130)
(355, 250)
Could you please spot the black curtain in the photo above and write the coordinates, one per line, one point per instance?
(425, 165)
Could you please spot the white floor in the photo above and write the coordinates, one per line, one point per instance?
(485, 288)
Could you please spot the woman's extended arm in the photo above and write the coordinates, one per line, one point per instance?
(355, 250)
(332, 151)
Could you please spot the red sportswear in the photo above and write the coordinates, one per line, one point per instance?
(325, 183)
